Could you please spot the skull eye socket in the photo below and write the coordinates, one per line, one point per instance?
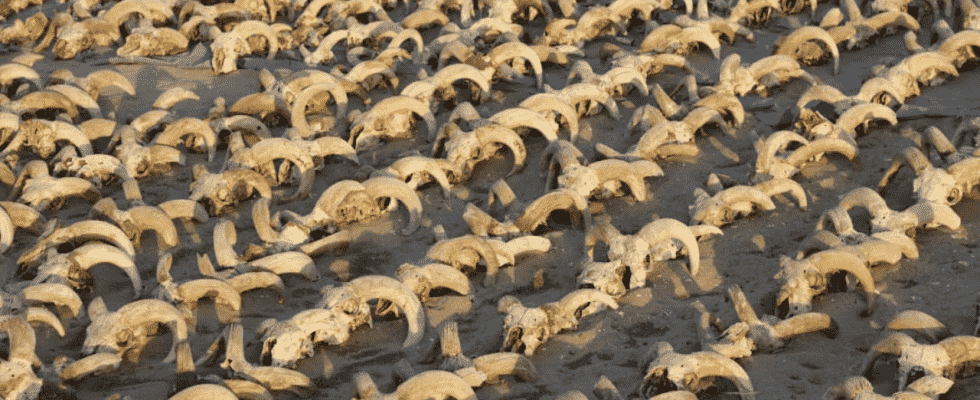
(954, 196)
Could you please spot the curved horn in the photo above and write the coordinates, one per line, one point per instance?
(6, 231)
(140, 312)
(223, 293)
(10, 72)
(253, 27)
(807, 323)
(87, 230)
(507, 51)
(258, 280)
(23, 216)
(574, 301)
(121, 11)
(537, 212)
(262, 222)
(381, 187)
(290, 262)
(670, 229)
(864, 197)
(714, 364)
(41, 99)
(334, 146)
(618, 170)
(298, 114)
(891, 344)
(874, 87)
(741, 193)
(863, 113)
(437, 384)
(174, 132)
(929, 213)
(94, 364)
(386, 288)
(38, 315)
(776, 142)
(451, 73)
(155, 219)
(80, 97)
(446, 251)
(825, 145)
(910, 156)
(92, 254)
(776, 186)
(247, 390)
(507, 137)
(224, 239)
(951, 47)
(830, 261)
(701, 116)
(438, 275)
(250, 177)
(517, 116)
(54, 293)
(23, 340)
(499, 364)
(920, 322)
(172, 96)
(791, 44)
(205, 391)
(184, 209)
(893, 18)
(823, 92)
(543, 102)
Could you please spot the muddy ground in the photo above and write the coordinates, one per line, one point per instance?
(942, 282)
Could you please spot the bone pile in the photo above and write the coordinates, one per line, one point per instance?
(281, 183)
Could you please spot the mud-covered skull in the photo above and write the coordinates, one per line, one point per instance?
(19, 379)
(356, 206)
(40, 137)
(917, 361)
(342, 299)
(630, 250)
(227, 47)
(670, 371)
(524, 328)
(744, 81)
(464, 150)
(153, 42)
(708, 210)
(796, 295)
(286, 342)
(284, 345)
(606, 277)
(72, 39)
(583, 180)
(937, 185)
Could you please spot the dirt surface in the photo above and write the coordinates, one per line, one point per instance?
(941, 282)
